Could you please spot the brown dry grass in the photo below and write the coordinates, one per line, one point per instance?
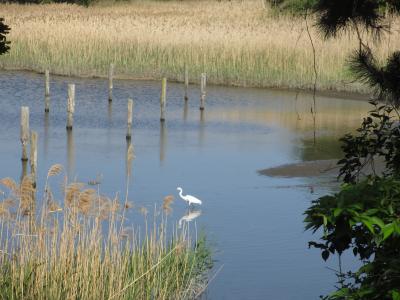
(235, 42)
(80, 248)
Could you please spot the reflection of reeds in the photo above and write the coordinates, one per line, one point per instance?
(75, 250)
(333, 115)
(235, 42)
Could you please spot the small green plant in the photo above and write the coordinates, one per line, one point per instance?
(365, 215)
(363, 218)
(377, 140)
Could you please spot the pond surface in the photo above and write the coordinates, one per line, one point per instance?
(253, 222)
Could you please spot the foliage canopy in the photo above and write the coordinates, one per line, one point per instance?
(4, 44)
(365, 215)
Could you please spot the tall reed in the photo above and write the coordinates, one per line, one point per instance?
(234, 42)
(76, 250)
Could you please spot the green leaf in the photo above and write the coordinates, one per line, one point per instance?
(340, 293)
(396, 227)
(387, 230)
(325, 220)
(369, 224)
(357, 206)
(377, 221)
(395, 295)
(337, 211)
(365, 268)
(371, 212)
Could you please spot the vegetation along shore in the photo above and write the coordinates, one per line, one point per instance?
(79, 245)
(241, 43)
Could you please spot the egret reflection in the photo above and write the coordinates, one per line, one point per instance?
(190, 216)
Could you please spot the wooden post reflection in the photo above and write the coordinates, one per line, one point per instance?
(70, 154)
(202, 126)
(185, 110)
(163, 138)
(24, 169)
(128, 160)
(46, 135)
(109, 112)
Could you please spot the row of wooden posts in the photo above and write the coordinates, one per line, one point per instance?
(30, 137)
(163, 96)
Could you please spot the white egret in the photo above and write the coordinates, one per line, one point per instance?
(188, 198)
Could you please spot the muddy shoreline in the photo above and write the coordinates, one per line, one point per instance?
(315, 168)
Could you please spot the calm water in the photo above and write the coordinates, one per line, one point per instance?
(253, 222)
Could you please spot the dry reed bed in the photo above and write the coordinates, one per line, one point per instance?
(235, 42)
(82, 249)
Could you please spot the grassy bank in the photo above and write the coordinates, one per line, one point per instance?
(235, 42)
(78, 248)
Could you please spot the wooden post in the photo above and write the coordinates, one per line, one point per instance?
(70, 106)
(163, 99)
(186, 82)
(33, 156)
(47, 91)
(203, 83)
(130, 113)
(110, 82)
(24, 131)
(264, 4)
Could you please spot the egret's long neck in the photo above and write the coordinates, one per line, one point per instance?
(180, 193)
